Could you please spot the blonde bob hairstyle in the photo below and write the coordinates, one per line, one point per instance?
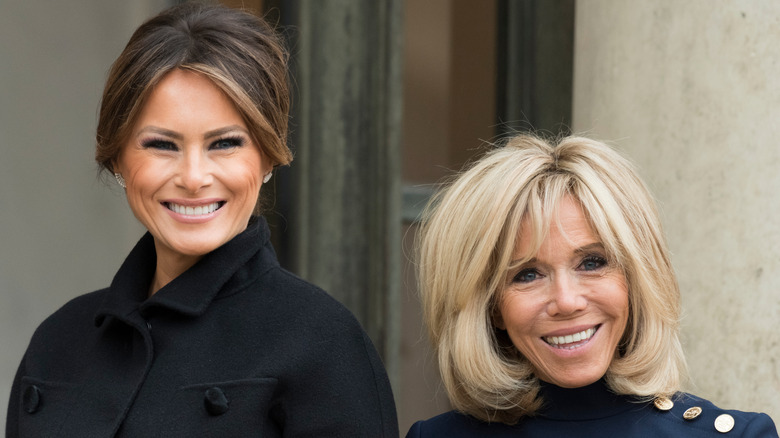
(465, 247)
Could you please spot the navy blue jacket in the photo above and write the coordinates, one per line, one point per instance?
(594, 411)
(235, 346)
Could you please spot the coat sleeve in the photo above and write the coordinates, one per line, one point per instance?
(12, 416)
(342, 388)
(761, 426)
(415, 431)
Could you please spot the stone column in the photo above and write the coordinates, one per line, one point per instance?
(345, 222)
(691, 91)
(535, 43)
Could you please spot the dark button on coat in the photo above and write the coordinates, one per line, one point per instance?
(235, 346)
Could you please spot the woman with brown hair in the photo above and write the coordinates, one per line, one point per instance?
(201, 333)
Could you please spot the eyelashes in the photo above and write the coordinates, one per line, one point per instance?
(227, 142)
(158, 143)
(221, 143)
(591, 263)
(526, 276)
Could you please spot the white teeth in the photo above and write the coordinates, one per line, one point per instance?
(193, 211)
(568, 339)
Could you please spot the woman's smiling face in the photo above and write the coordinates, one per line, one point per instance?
(192, 170)
(566, 309)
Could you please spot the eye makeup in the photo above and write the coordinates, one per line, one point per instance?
(228, 142)
(158, 143)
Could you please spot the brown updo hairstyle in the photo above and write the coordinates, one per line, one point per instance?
(238, 51)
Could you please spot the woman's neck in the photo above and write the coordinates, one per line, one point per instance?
(170, 265)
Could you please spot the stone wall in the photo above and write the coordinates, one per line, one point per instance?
(691, 92)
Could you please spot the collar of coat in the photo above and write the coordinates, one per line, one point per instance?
(192, 292)
(589, 402)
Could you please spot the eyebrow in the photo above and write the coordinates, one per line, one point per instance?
(222, 131)
(177, 136)
(161, 131)
(595, 246)
(590, 247)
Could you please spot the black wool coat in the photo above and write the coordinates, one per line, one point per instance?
(234, 347)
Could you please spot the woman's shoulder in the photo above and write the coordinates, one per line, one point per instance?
(454, 424)
(75, 312)
(286, 292)
(67, 325)
(687, 412)
(682, 415)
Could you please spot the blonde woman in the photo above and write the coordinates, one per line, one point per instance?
(552, 304)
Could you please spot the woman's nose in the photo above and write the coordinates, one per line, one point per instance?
(194, 172)
(566, 296)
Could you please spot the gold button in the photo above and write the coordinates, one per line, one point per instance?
(724, 423)
(692, 413)
(663, 404)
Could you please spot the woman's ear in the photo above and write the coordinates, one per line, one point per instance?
(113, 165)
(266, 165)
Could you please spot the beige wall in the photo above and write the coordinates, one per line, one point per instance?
(691, 91)
(62, 232)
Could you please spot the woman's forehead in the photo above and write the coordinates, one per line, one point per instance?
(567, 222)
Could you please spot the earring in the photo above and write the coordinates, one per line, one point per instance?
(120, 180)
(267, 177)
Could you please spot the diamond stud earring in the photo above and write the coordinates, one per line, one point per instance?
(120, 180)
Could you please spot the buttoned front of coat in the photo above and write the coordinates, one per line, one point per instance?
(235, 346)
